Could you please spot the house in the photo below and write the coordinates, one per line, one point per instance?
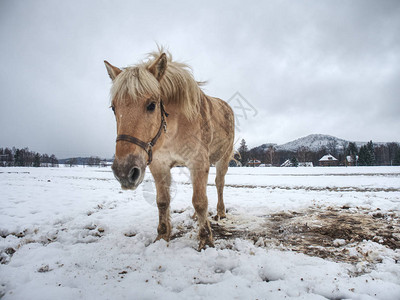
(253, 163)
(307, 164)
(105, 163)
(328, 160)
(287, 163)
(351, 161)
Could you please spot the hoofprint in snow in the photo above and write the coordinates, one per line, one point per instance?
(301, 233)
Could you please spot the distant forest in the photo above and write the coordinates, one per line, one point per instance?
(367, 155)
(85, 161)
(15, 157)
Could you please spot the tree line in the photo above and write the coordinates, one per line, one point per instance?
(369, 154)
(14, 157)
(85, 161)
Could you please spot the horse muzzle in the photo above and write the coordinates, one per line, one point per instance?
(129, 171)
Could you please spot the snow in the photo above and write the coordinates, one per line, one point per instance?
(72, 233)
(327, 157)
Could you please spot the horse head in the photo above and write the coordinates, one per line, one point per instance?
(140, 116)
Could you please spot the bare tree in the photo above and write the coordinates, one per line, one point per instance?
(332, 147)
(271, 154)
(302, 153)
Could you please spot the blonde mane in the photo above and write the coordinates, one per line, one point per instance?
(177, 86)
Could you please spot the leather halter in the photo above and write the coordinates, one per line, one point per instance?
(148, 147)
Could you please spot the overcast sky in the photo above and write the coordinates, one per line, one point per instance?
(303, 67)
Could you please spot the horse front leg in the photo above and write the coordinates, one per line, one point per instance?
(199, 177)
(162, 178)
(221, 168)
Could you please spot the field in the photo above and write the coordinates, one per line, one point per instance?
(290, 233)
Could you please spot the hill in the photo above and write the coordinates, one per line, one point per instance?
(315, 142)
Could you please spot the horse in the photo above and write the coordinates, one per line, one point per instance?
(164, 120)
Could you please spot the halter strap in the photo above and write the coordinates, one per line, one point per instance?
(148, 147)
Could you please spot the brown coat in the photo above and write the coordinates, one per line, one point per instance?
(200, 132)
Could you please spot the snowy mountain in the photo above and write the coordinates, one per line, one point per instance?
(315, 142)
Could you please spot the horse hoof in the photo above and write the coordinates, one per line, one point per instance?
(204, 243)
(163, 237)
(218, 217)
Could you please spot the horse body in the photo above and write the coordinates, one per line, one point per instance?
(200, 132)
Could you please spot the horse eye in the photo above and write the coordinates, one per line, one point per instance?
(113, 108)
(151, 106)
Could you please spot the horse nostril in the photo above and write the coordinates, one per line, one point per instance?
(134, 174)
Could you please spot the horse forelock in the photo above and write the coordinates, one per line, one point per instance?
(177, 87)
(134, 83)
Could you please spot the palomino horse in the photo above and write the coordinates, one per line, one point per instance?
(200, 132)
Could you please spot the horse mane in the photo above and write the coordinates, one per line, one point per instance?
(177, 87)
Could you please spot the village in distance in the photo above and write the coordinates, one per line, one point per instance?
(312, 150)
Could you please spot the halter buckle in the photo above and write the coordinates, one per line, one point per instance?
(150, 146)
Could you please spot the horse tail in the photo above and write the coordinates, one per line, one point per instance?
(235, 156)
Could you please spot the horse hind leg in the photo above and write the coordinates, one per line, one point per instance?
(221, 169)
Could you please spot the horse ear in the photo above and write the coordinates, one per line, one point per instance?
(112, 71)
(159, 66)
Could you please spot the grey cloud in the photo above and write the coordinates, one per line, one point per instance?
(307, 66)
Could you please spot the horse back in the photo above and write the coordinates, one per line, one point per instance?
(222, 126)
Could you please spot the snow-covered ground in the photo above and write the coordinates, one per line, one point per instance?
(291, 233)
